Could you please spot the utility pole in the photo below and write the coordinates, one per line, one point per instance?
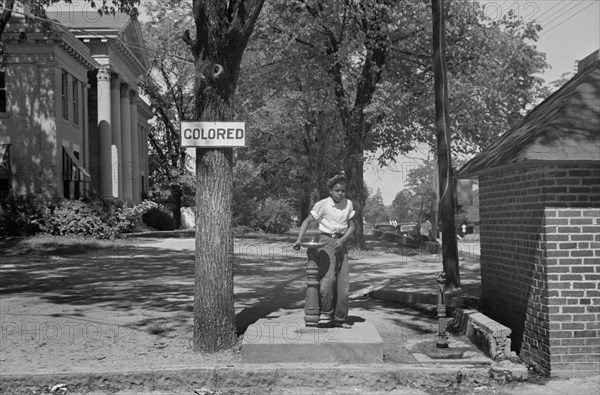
(435, 186)
(444, 158)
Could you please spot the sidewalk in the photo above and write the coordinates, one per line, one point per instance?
(120, 321)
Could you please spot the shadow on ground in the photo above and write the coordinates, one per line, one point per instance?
(151, 275)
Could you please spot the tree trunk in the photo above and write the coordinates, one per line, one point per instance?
(446, 188)
(177, 193)
(214, 313)
(222, 33)
(435, 204)
(354, 167)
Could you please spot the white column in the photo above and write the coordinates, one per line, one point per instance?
(145, 152)
(104, 132)
(135, 150)
(116, 160)
(126, 142)
(85, 118)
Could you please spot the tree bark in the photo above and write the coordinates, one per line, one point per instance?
(354, 167)
(214, 313)
(177, 194)
(442, 127)
(222, 33)
(353, 118)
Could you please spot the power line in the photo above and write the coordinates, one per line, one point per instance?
(566, 4)
(547, 22)
(560, 23)
(549, 9)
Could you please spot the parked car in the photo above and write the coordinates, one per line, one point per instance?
(405, 228)
(385, 227)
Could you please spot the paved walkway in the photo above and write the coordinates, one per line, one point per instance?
(145, 290)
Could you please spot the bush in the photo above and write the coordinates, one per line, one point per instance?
(98, 218)
(275, 216)
(20, 215)
(158, 219)
(103, 219)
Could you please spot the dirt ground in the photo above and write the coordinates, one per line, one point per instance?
(129, 306)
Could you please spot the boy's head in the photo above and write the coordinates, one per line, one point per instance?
(337, 179)
(337, 187)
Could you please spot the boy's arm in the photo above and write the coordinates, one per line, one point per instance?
(305, 224)
(349, 231)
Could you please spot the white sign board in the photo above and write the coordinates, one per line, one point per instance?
(213, 134)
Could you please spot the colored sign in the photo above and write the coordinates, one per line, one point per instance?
(213, 134)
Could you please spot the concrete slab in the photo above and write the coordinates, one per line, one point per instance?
(283, 337)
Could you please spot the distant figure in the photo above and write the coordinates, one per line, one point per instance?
(425, 230)
(334, 215)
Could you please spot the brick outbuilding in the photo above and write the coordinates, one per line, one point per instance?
(539, 201)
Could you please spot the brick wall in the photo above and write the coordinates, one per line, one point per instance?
(569, 339)
(514, 252)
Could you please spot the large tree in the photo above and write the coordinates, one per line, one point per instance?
(296, 136)
(169, 86)
(375, 210)
(351, 42)
(217, 42)
(376, 56)
(491, 76)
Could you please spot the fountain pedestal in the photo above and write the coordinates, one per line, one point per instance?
(311, 308)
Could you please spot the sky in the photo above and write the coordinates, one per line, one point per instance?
(571, 31)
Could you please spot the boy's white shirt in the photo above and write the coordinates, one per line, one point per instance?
(332, 217)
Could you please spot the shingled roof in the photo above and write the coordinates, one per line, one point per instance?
(564, 127)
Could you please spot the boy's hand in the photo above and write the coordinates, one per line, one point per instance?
(296, 245)
(338, 243)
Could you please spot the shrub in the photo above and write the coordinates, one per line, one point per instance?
(158, 219)
(275, 216)
(76, 217)
(20, 215)
(103, 219)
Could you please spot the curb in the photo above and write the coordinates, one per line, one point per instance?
(255, 378)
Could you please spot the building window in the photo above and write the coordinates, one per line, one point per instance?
(2, 91)
(67, 174)
(75, 102)
(65, 94)
(77, 180)
(74, 174)
(5, 184)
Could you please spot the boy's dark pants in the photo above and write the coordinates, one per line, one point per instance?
(333, 279)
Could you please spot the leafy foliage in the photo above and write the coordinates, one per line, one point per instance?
(20, 215)
(296, 136)
(158, 219)
(372, 61)
(410, 203)
(275, 216)
(28, 215)
(491, 80)
(97, 218)
(375, 210)
(169, 86)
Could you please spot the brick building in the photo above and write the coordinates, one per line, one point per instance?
(71, 121)
(539, 201)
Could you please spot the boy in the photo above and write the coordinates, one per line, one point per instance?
(334, 215)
